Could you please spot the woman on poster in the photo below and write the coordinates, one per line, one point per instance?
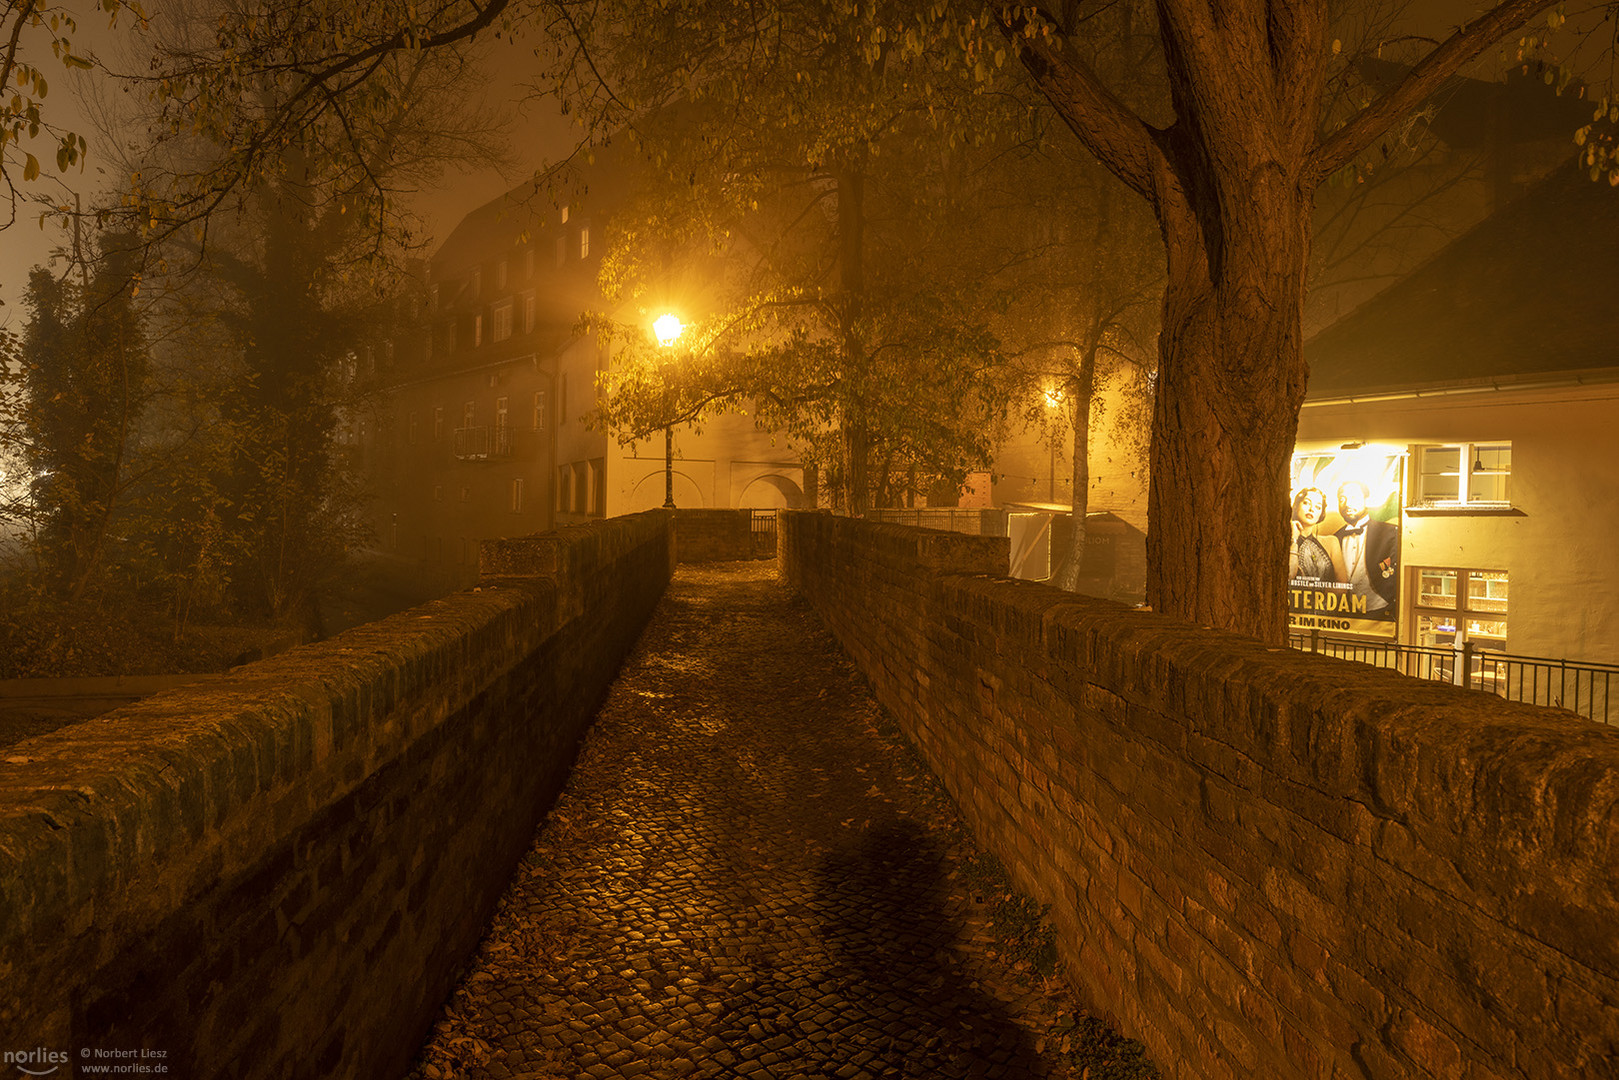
(1313, 557)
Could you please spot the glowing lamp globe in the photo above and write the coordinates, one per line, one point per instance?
(668, 328)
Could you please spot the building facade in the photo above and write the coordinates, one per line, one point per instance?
(481, 427)
(1478, 402)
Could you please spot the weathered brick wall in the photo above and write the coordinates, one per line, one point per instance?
(715, 536)
(278, 873)
(1263, 863)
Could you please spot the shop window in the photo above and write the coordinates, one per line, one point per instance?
(1465, 475)
(1455, 606)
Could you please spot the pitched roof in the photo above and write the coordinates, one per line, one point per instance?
(1531, 290)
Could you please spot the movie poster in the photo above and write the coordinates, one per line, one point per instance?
(1344, 553)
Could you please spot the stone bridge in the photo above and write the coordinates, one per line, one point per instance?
(1257, 862)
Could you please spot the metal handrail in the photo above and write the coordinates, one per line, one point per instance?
(1583, 687)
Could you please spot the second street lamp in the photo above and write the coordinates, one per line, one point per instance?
(668, 328)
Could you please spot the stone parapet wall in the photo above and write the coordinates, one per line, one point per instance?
(1264, 863)
(277, 873)
(716, 536)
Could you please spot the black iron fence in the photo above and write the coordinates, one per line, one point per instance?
(764, 534)
(1584, 688)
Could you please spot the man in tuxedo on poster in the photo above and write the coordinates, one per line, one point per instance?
(1371, 551)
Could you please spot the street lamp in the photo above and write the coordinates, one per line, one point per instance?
(668, 328)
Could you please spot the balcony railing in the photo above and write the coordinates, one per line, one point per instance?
(1584, 688)
(482, 443)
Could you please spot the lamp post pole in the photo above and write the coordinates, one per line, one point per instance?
(668, 328)
(668, 466)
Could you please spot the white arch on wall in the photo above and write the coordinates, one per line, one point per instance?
(771, 492)
(649, 491)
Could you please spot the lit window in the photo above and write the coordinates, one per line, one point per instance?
(503, 321)
(517, 495)
(539, 410)
(564, 215)
(1465, 474)
(1456, 606)
(584, 241)
(477, 331)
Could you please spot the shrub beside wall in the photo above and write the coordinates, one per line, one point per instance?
(278, 873)
(1264, 863)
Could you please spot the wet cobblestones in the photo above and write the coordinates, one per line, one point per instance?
(746, 877)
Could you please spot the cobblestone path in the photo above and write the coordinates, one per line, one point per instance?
(746, 877)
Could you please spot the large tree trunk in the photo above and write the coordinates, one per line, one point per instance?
(1231, 380)
(1231, 181)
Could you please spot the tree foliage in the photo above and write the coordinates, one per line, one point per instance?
(82, 368)
(820, 188)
